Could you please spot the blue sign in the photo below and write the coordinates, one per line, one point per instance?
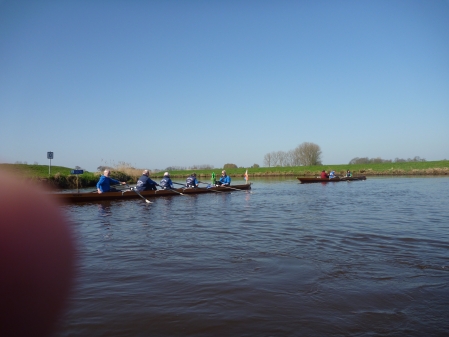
(49, 155)
(76, 172)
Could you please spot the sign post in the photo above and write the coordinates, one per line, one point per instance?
(77, 172)
(49, 156)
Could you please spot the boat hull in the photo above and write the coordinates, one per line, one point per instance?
(308, 180)
(128, 194)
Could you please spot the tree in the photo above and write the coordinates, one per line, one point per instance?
(295, 157)
(267, 160)
(255, 166)
(275, 158)
(289, 158)
(229, 166)
(282, 158)
(308, 154)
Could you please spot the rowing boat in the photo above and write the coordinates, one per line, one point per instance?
(129, 194)
(306, 180)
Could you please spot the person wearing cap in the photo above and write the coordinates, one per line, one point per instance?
(225, 180)
(145, 183)
(332, 175)
(191, 180)
(104, 184)
(166, 182)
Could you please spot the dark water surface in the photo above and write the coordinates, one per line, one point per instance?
(364, 258)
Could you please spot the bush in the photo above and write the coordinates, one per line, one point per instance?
(229, 166)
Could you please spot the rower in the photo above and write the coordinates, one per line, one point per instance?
(225, 180)
(166, 182)
(191, 180)
(104, 184)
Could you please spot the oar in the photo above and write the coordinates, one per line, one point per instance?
(179, 184)
(140, 195)
(172, 189)
(184, 186)
(210, 188)
(237, 189)
(96, 191)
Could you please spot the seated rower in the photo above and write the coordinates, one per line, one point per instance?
(145, 183)
(166, 182)
(324, 175)
(225, 180)
(104, 184)
(332, 175)
(348, 173)
(191, 180)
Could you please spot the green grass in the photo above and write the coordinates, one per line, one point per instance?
(61, 177)
(419, 168)
(35, 171)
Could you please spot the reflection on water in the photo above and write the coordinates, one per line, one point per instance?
(104, 209)
(350, 258)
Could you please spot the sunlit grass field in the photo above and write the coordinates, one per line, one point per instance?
(406, 168)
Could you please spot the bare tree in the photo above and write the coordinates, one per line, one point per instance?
(295, 157)
(201, 167)
(309, 154)
(275, 158)
(282, 158)
(267, 160)
(366, 160)
(289, 158)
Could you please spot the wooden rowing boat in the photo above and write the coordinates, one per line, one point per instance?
(128, 194)
(306, 180)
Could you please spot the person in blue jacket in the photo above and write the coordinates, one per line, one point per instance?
(104, 184)
(191, 180)
(145, 183)
(225, 180)
(166, 182)
(332, 175)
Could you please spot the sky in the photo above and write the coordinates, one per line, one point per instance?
(155, 84)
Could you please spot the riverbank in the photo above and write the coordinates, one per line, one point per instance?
(381, 169)
(60, 176)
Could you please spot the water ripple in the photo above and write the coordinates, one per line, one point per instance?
(341, 259)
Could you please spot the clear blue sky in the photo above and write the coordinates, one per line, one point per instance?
(181, 83)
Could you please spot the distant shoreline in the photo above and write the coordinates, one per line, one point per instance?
(60, 177)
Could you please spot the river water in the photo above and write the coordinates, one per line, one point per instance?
(362, 258)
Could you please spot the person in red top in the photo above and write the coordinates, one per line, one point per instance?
(324, 175)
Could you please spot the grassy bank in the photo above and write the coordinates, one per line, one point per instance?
(61, 178)
(407, 168)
